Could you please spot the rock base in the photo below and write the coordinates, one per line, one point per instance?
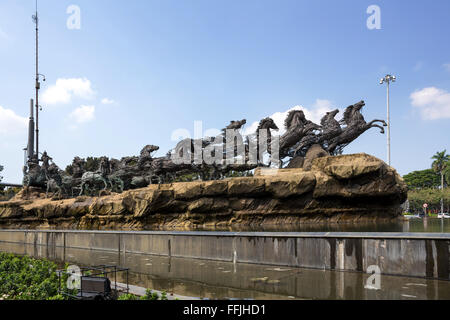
(347, 188)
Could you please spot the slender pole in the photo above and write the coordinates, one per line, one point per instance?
(442, 191)
(388, 128)
(37, 83)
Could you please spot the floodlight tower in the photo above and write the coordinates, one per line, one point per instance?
(388, 79)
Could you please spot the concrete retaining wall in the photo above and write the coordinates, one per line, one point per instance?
(419, 255)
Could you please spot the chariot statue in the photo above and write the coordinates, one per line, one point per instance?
(113, 175)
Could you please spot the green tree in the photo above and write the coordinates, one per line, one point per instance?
(440, 163)
(447, 174)
(431, 196)
(422, 179)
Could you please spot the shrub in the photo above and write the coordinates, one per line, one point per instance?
(25, 278)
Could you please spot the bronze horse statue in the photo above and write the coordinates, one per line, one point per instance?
(356, 126)
(297, 127)
(329, 128)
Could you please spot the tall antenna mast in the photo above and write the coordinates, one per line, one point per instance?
(37, 84)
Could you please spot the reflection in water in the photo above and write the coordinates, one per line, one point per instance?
(225, 280)
(431, 225)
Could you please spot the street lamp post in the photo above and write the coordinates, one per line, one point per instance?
(387, 79)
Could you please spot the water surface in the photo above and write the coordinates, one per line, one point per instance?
(427, 225)
(226, 280)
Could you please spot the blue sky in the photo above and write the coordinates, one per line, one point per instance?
(158, 66)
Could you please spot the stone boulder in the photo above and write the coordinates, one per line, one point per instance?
(346, 188)
(315, 152)
(296, 162)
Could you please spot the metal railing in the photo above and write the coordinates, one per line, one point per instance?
(90, 274)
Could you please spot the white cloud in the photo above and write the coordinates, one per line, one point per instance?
(433, 103)
(65, 89)
(108, 101)
(446, 66)
(315, 114)
(11, 123)
(83, 114)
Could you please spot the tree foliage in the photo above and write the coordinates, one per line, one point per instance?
(149, 295)
(422, 179)
(25, 278)
(1, 169)
(431, 178)
(440, 164)
(441, 161)
(432, 197)
(447, 175)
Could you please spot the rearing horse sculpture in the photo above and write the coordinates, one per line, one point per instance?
(356, 126)
(297, 127)
(329, 128)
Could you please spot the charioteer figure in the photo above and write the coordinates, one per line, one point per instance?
(45, 159)
(105, 167)
(78, 167)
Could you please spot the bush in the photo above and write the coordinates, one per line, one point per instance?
(149, 295)
(128, 296)
(25, 278)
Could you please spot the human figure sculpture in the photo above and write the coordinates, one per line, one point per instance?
(78, 167)
(45, 159)
(104, 168)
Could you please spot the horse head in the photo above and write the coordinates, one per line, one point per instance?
(358, 106)
(149, 149)
(353, 113)
(329, 117)
(267, 123)
(294, 117)
(236, 124)
(333, 113)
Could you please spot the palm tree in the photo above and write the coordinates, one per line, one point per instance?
(441, 161)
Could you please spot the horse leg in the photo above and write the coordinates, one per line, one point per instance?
(106, 184)
(377, 126)
(332, 147)
(57, 192)
(370, 124)
(82, 189)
